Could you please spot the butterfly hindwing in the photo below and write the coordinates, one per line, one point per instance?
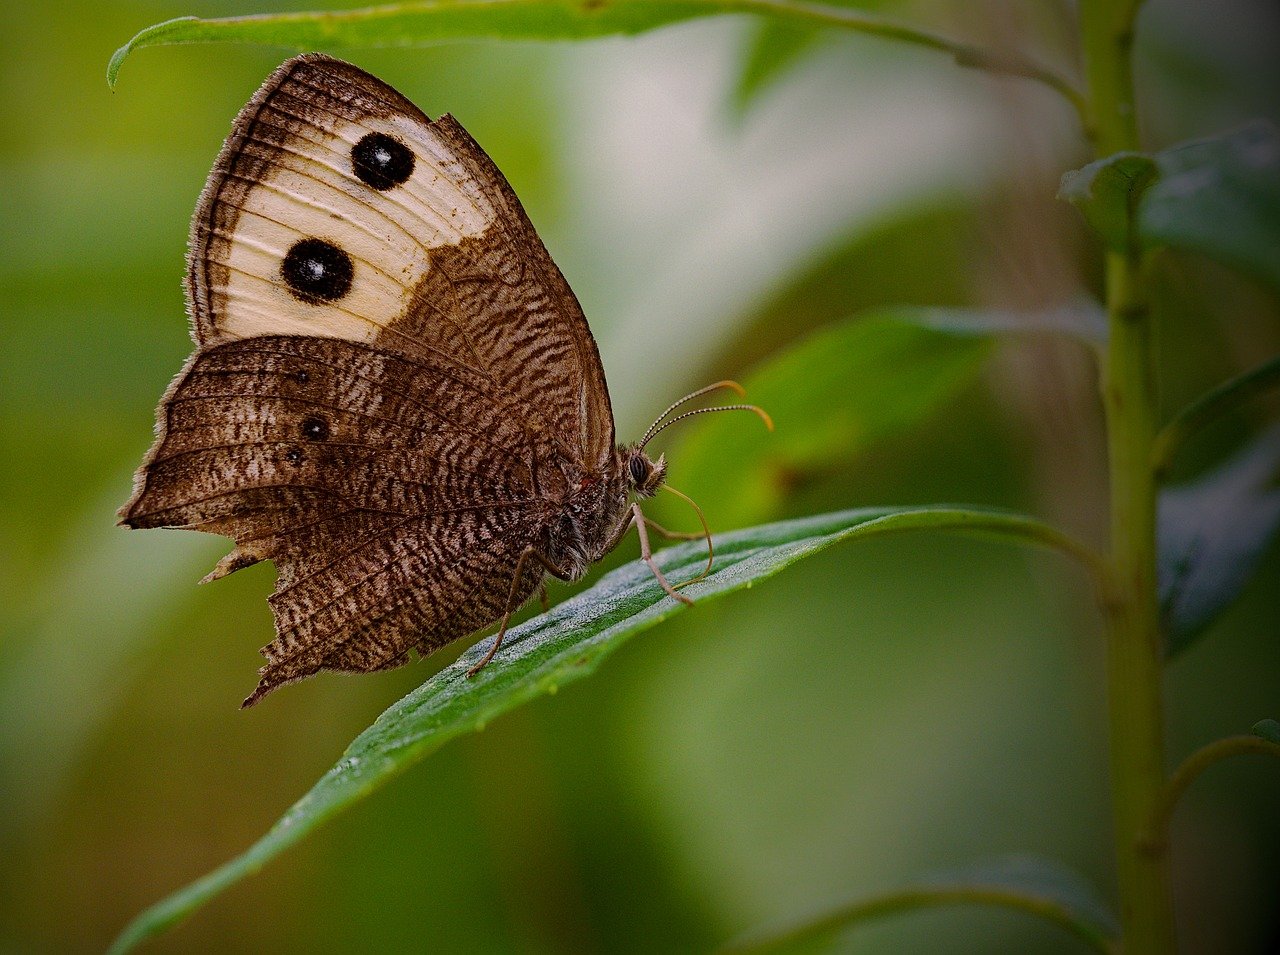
(419, 584)
(351, 469)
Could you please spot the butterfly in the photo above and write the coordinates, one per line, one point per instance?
(395, 396)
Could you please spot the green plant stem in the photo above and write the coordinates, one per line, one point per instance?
(1208, 408)
(1134, 655)
(918, 898)
(1158, 830)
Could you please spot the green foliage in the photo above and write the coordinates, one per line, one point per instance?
(1214, 532)
(429, 21)
(1107, 193)
(1218, 196)
(836, 393)
(558, 647)
(409, 24)
(774, 47)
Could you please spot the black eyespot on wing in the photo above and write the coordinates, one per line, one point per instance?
(315, 429)
(381, 161)
(317, 271)
(639, 469)
(293, 455)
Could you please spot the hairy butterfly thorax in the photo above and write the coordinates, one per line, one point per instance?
(395, 396)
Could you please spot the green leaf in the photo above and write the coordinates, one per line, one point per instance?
(1107, 192)
(1268, 730)
(430, 21)
(1037, 886)
(776, 44)
(1209, 407)
(837, 392)
(560, 646)
(1220, 197)
(1213, 533)
(773, 47)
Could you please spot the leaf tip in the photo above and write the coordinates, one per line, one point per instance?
(144, 37)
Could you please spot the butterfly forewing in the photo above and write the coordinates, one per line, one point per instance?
(428, 252)
(287, 174)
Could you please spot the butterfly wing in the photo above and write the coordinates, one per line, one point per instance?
(393, 380)
(353, 470)
(337, 208)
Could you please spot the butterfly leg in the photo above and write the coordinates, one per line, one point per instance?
(673, 535)
(543, 599)
(525, 555)
(646, 554)
(681, 536)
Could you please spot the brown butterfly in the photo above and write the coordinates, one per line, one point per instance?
(395, 395)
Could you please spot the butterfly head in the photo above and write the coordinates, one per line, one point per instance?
(644, 475)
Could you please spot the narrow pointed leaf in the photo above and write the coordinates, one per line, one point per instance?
(1213, 533)
(560, 646)
(431, 21)
(417, 23)
(836, 393)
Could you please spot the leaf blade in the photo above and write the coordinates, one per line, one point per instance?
(906, 363)
(773, 48)
(1213, 532)
(1220, 197)
(564, 644)
(1107, 193)
(425, 21)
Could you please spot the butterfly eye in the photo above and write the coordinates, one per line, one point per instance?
(315, 429)
(639, 469)
(381, 161)
(317, 271)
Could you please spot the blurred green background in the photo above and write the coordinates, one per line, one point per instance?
(885, 709)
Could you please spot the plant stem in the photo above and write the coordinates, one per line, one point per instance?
(1134, 657)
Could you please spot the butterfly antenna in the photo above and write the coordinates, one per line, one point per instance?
(731, 385)
(760, 412)
(706, 530)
